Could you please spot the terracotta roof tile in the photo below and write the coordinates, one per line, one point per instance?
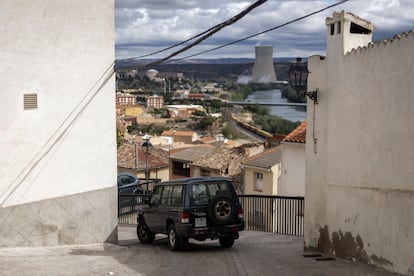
(208, 139)
(191, 153)
(128, 159)
(298, 135)
(219, 158)
(266, 159)
(177, 133)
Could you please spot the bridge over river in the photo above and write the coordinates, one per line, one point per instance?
(266, 103)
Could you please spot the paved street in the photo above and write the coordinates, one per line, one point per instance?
(255, 253)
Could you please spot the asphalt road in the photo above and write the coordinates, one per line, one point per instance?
(255, 253)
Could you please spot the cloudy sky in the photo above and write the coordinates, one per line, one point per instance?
(145, 26)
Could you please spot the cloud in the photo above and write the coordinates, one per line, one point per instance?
(148, 25)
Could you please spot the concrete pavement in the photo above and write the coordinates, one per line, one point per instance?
(255, 253)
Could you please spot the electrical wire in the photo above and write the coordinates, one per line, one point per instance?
(214, 29)
(199, 34)
(265, 31)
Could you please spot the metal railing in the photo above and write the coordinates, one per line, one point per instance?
(277, 214)
(128, 205)
(130, 197)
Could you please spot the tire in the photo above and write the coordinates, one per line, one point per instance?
(226, 242)
(174, 241)
(145, 236)
(221, 209)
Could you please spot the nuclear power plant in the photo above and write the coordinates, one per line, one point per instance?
(263, 69)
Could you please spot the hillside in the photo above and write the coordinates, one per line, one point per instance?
(208, 69)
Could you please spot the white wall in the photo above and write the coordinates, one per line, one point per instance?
(63, 51)
(359, 190)
(292, 177)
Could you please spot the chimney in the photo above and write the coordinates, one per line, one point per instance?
(346, 31)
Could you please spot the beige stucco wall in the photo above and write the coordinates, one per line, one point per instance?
(359, 190)
(59, 156)
(292, 175)
(270, 181)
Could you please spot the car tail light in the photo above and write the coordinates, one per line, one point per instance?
(240, 213)
(185, 217)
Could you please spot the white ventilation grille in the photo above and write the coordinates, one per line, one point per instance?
(30, 101)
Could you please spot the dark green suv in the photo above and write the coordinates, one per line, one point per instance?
(198, 208)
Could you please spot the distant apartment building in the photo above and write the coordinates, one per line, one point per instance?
(155, 102)
(126, 121)
(187, 137)
(183, 111)
(125, 99)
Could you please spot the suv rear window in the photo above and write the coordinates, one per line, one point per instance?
(167, 195)
(203, 192)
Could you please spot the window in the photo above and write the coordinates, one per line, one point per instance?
(339, 28)
(165, 199)
(180, 168)
(156, 195)
(258, 181)
(176, 196)
(202, 193)
(199, 194)
(126, 179)
(332, 29)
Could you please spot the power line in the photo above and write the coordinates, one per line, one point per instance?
(202, 33)
(216, 28)
(213, 30)
(263, 32)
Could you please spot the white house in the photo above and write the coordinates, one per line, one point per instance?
(292, 176)
(58, 142)
(360, 146)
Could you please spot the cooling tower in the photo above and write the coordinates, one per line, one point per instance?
(263, 69)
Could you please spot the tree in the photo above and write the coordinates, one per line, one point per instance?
(206, 122)
(198, 113)
(119, 138)
(229, 132)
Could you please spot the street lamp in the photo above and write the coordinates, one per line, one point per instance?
(298, 78)
(147, 148)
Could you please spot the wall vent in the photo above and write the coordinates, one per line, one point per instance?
(30, 101)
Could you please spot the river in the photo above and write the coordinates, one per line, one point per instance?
(291, 113)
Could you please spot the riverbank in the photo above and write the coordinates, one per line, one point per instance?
(291, 113)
